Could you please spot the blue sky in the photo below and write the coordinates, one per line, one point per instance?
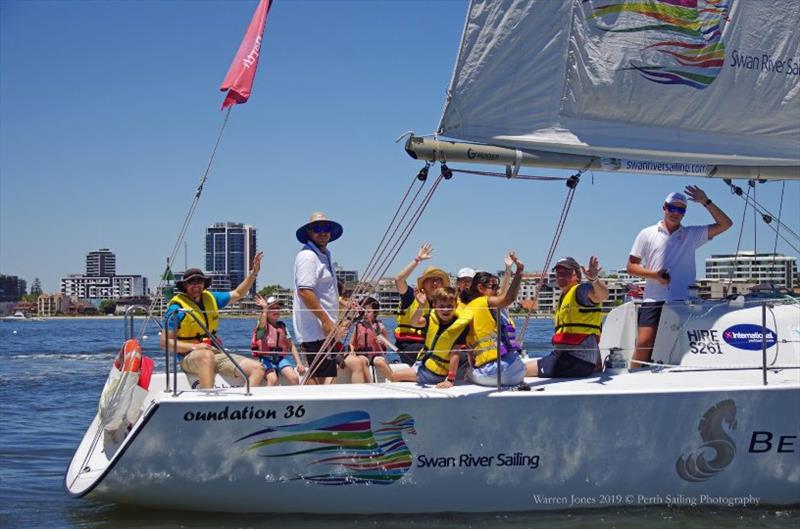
(108, 112)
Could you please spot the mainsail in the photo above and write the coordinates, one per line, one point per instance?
(707, 87)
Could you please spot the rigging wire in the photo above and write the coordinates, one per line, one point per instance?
(738, 242)
(780, 211)
(186, 221)
(767, 217)
(572, 184)
(181, 235)
(383, 257)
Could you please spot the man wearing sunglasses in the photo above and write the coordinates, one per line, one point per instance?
(663, 254)
(316, 293)
(198, 352)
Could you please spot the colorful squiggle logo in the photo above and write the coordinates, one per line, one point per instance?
(341, 449)
(692, 37)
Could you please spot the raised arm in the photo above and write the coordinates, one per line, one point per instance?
(599, 291)
(423, 254)
(508, 262)
(721, 221)
(506, 299)
(244, 287)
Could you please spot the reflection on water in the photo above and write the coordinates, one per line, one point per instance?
(51, 374)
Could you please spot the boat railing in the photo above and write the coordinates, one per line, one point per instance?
(172, 315)
(128, 319)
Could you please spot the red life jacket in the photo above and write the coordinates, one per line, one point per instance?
(273, 341)
(365, 338)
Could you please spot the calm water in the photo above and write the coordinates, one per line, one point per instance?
(51, 374)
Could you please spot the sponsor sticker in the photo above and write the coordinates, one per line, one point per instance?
(748, 336)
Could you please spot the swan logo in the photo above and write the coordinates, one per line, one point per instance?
(718, 449)
(339, 449)
(681, 41)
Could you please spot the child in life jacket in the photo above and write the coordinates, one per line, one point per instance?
(369, 337)
(272, 344)
(440, 362)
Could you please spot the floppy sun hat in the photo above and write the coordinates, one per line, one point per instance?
(190, 274)
(318, 217)
(432, 271)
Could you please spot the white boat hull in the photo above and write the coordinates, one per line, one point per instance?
(705, 432)
(632, 440)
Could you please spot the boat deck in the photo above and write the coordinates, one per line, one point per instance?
(667, 380)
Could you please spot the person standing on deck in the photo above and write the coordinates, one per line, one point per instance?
(199, 356)
(663, 254)
(316, 293)
(577, 321)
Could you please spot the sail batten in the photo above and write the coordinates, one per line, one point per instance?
(704, 81)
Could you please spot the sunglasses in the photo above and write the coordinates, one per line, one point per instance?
(491, 286)
(195, 280)
(675, 209)
(321, 228)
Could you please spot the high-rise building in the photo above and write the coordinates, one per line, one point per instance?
(101, 263)
(745, 266)
(12, 288)
(230, 249)
(101, 280)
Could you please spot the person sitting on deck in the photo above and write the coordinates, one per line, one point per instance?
(483, 331)
(195, 348)
(273, 346)
(410, 331)
(463, 282)
(367, 334)
(445, 337)
(577, 320)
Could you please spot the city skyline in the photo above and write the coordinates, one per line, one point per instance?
(332, 93)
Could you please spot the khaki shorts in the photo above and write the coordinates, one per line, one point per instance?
(222, 364)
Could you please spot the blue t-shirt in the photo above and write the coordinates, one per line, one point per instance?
(223, 298)
(582, 295)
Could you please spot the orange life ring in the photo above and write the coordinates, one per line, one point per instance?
(130, 356)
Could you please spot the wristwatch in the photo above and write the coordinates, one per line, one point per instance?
(707, 202)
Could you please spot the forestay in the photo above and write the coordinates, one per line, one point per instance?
(675, 86)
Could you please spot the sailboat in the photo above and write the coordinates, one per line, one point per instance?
(662, 86)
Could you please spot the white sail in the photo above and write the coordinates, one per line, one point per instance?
(706, 82)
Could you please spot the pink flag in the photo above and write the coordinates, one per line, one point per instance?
(239, 81)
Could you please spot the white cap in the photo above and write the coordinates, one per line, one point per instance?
(675, 197)
(466, 272)
(272, 300)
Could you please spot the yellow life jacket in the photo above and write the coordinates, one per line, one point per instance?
(440, 341)
(405, 330)
(573, 322)
(188, 329)
(482, 337)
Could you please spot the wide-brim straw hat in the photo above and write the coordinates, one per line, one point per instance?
(432, 271)
(318, 216)
(191, 274)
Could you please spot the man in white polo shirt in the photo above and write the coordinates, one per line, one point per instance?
(316, 293)
(663, 254)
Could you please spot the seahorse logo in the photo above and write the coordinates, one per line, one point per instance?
(686, 45)
(694, 465)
